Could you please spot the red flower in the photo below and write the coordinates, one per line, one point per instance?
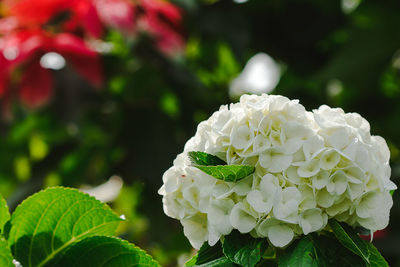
(163, 20)
(118, 14)
(160, 19)
(32, 28)
(72, 14)
(23, 50)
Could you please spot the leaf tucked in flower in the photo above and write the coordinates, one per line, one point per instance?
(205, 159)
(217, 168)
(228, 173)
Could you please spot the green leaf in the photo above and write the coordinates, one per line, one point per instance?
(375, 258)
(192, 261)
(101, 251)
(349, 238)
(217, 168)
(6, 259)
(47, 223)
(228, 173)
(221, 262)
(330, 252)
(300, 254)
(4, 213)
(206, 254)
(244, 249)
(205, 159)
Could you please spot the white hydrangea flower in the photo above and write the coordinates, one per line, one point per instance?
(286, 208)
(279, 233)
(243, 217)
(309, 167)
(312, 220)
(263, 199)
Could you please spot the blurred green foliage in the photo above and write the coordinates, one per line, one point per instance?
(138, 123)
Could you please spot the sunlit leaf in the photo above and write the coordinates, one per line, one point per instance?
(6, 259)
(47, 223)
(105, 251)
(4, 213)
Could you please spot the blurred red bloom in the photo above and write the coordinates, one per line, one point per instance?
(163, 20)
(23, 51)
(31, 28)
(160, 19)
(69, 15)
(118, 14)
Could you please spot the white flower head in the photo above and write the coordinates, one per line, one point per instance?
(309, 167)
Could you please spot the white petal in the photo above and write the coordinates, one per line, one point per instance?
(324, 199)
(313, 145)
(280, 235)
(296, 130)
(220, 189)
(329, 159)
(338, 183)
(312, 220)
(307, 197)
(354, 175)
(287, 208)
(383, 149)
(291, 194)
(389, 185)
(242, 219)
(243, 186)
(339, 138)
(213, 236)
(260, 203)
(293, 176)
(292, 145)
(309, 168)
(280, 162)
(378, 205)
(355, 190)
(242, 137)
(260, 143)
(171, 179)
(219, 214)
(265, 125)
(339, 207)
(274, 161)
(320, 180)
(195, 229)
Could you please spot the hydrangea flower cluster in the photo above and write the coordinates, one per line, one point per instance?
(309, 167)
